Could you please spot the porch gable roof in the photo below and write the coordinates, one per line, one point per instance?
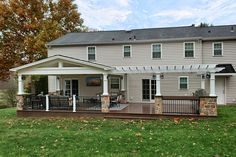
(64, 58)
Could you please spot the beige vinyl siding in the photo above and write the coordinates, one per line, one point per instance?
(169, 85)
(172, 53)
(229, 57)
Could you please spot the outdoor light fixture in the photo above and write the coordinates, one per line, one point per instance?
(162, 76)
(203, 76)
(208, 75)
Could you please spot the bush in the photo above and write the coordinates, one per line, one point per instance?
(9, 96)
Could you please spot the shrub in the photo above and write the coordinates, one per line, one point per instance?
(9, 95)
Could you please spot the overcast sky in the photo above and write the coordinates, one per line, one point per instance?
(130, 14)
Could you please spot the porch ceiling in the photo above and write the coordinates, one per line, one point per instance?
(197, 68)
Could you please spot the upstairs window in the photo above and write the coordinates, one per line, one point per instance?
(189, 50)
(91, 50)
(183, 82)
(156, 51)
(218, 49)
(127, 51)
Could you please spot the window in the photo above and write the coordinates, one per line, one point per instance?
(156, 51)
(91, 53)
(127, 51)
(189, 49)
(115, 83)
(217, 49)
(183, 82)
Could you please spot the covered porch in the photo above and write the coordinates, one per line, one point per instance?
(99, 97)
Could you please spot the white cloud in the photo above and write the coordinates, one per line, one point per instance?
(216, 11)
(124, 3)
(100, 16)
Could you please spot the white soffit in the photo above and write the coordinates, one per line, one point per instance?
(201, 68)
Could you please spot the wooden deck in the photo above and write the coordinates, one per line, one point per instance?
(132, 111)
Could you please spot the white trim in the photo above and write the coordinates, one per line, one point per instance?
(187, 82)
(152, 51)
(94, 53)
(193, 49)
(225, 74)
(123, 51)
(222, 49)
(60, 57)
(61, 71)
(225, 90)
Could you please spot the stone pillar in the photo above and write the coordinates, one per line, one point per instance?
(212, 85)
(158, 85)
(208, 106)
(19, 102)
(105, 100)
(158, 106)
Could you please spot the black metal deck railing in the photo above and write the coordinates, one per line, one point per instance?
(62, 102)
(180, 105)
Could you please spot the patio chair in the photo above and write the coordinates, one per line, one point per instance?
(115, 101)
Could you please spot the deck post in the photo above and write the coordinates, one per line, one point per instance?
(158, 106)
(74, 103)
(47, 103)
(208, 106)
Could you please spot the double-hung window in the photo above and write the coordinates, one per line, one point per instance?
(91, 50)
(218, 49)
(183, 82)
(127, 51)
(189, 49)
(156, 51)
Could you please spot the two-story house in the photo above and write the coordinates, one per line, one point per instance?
(141, 63)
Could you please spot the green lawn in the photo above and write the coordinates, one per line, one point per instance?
(98, 137)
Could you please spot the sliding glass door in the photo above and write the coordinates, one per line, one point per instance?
(71, 87)
(148, 89)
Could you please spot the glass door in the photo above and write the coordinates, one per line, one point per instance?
(71, 87)
(148, 89)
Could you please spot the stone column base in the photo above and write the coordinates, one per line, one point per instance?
(105, 99)
(19, 102)
(158, 105)
(208, 106)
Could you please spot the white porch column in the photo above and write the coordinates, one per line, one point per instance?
(123, 83)
(105, 84)
(202, 82)
(212, 85)
(58, 83)
(20, 85)
(158, 85)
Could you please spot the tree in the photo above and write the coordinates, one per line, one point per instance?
(27, 25)
(204, 24)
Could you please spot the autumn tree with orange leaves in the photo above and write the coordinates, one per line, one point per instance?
(27, 25)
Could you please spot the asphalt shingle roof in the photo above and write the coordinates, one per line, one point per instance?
(123, 36)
